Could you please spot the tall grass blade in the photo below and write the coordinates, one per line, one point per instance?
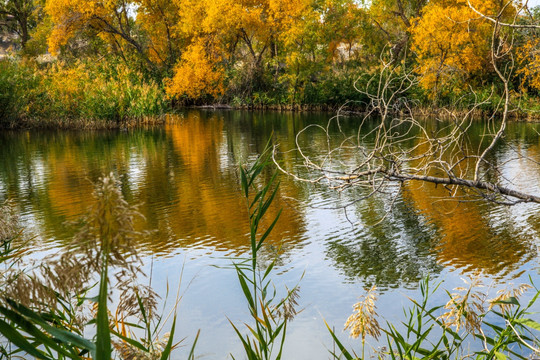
(103, 342)
(269, 230)
(20, 341)
(341, 347)
(168, 348)
(528, 322)
(130, 341)
(244, 181)
(246, 290)
(63, 335)
(37, 334)
(191, 355)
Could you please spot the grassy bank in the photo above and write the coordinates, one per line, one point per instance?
(90, 94)
(81, 95)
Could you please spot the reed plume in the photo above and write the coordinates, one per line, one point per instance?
(465, 308)
(106, 238)
(9, 222)
(505, 294)
(364, 319)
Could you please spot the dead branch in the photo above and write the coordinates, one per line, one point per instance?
(394, 146)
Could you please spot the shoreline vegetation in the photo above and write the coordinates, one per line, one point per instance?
(89, 64)
(89, 95)
(86, 95)
(161, 119)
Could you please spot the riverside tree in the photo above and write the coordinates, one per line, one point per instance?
(299, 51)
(20, 17)
(440, 154)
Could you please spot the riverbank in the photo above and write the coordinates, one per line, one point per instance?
(89, 95)
(159, 120)
(351, 109)
(84, 124)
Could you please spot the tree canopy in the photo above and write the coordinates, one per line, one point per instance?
(294, 51)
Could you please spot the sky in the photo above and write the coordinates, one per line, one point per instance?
(534, 3)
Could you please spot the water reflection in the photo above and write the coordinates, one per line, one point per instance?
(184, 175)
(398, 251)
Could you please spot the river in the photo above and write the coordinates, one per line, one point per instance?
(184, 177)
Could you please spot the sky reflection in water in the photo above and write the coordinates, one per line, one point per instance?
(184, 176)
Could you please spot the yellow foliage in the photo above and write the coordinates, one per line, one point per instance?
(196, 75)
(69, 16)
(528, 59)
(221, 25)
(254, 22)
(451, 42)
(286, 18)
(67, 85)
(113, 22)
(159, 19)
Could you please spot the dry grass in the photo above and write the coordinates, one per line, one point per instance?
(106, 238)
(364, 319)
(465, 307)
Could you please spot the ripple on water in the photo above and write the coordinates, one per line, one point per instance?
(184, 176)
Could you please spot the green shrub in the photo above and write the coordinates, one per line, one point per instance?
(82, 91)
(18, 82)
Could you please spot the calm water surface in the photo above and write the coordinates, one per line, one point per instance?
(184, 176)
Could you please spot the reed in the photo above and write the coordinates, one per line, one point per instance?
(270, 315)
(46, 308)
(504, 330)
(78, 95)
(364, 321)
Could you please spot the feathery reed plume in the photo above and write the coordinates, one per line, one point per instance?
(107, 233)
(47, 300)
(465, 307)
(109, 228)
(364, 319)
(10, 256)
(9, 222)
(505, 294)
(287, 310)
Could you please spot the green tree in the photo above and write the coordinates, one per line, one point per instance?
(20, 17)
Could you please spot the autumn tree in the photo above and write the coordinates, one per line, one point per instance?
(392, 20)
(453, 43)
(240, 33)
(20, 17)
(528, 54)
(336, 26)
(324, 45)
(159, 20)
(145, 28)
(110, 20)
(198, 74)
(528, 58)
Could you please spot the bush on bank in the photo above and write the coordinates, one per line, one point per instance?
(83, 92)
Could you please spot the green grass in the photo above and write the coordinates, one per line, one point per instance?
(83, 94)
